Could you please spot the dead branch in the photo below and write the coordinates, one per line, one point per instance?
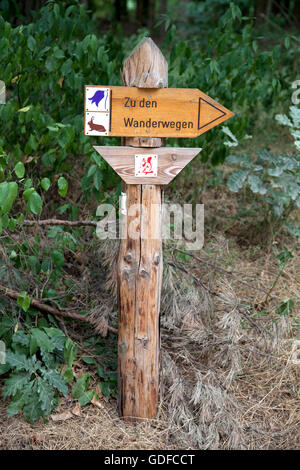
(70, 223)
(53, 311)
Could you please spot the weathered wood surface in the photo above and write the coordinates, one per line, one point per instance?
(135, 73)
(140, 275)
(171, 160)
(140, 266)
(169, 112)
(145, 67)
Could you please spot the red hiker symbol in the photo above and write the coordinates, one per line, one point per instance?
(147, 166)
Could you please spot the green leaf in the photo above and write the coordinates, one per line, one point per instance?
(295, 231)
(92, 170)
(108, 388)
(80, 386)
(24, 110)
(21, 338)
(20, 170)
(15, 405)
(236, 180)
(62, 186)
(46, 395)
(286, 307)
(31, 43)
(8, 193)
(275, 171)
(19, 361)
(58, 53)
(98, 176)
(35, 203)
(69, 375)
(88, 360)
(70, 352)
(86, 397)
(58, 258)
(12, 224)
(57, 336)
(32, 410)
(67, 67)
(42, 340)
(4, 368)
(24, 301)
(14, 383)
(33, 345)
(284, 256)
(27, 193)
(45, 183)
(101, 372)
(97, 159)
(51, 63)
(55, 379)
(48, 358)
(243, 159)
(256, 184)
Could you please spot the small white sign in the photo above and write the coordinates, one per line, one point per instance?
(146, 166)
(97, 98)
(123, 204)
(96, 124)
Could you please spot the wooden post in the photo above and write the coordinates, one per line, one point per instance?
(140, 263)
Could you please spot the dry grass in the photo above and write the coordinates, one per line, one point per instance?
(95, 430)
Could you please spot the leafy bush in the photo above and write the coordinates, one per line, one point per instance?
(229, 64)
(293, 123)
(39, 367)
(45, 66)
(275, 178)
(34, 382)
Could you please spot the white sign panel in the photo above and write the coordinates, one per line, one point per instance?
(97, 110)
(145, 165)
(96, 124)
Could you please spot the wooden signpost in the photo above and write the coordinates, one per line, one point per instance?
(144, 111)
(164, 112)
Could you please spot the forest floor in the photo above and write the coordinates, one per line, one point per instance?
(230, 367)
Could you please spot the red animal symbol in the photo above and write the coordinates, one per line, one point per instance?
(96, 127)
(147, 166)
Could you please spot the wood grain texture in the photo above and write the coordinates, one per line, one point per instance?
(145, 67)
(171, 160)
(169, 112)
(140, 265)
(135, 73)
(139, 281)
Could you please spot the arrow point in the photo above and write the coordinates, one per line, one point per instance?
(211, 113)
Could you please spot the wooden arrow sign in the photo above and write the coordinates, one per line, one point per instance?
(145, 165)
(155, 112)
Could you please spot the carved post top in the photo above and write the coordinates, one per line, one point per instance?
(146, 66)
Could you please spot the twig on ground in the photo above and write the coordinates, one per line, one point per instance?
(71, 223)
